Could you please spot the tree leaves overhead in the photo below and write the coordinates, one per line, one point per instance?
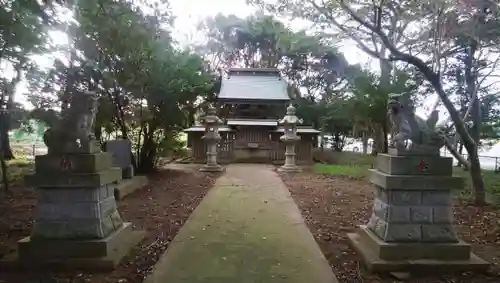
(123, 50)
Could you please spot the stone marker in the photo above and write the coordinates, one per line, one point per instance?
(121, 152)
(290, 138)
(76, 221)
(411, 226)
(212, 138)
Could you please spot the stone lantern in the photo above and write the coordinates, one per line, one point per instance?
(290, 138)
(211, 137)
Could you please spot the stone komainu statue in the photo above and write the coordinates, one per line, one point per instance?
(73, 131)
(410, 132)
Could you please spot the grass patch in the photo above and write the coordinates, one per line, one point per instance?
(353, 171)
(491, 183)
(356, 165)
(344, 157)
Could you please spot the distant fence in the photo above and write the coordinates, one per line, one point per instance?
(487, 162)
(328, 156)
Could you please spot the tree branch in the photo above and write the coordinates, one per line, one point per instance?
(417, 62)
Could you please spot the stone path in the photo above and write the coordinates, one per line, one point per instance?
(246, 230)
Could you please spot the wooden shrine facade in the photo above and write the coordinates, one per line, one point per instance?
(255, 144)
(251, 102)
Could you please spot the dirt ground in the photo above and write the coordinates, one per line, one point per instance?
(333, 206)
(160, 208)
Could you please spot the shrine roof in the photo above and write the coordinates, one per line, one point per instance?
(253, 84)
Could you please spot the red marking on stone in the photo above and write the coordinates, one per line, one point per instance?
(65, 163)
(422, 166)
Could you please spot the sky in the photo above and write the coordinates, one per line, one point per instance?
(191, 12)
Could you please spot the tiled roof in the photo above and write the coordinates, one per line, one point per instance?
(253, 84)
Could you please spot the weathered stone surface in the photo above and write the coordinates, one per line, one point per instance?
(414, 182)
(413, 210)
(66, 213)
(212, 137)
(403, 197)
(407, 232)
(417, 150)
(128, 186)
(408, 250)
(82, 255)
(95, 179)
(442, 215)
(414, 165)
(43, 248)
(438, 197)
(421, 214)
(439, 233)
(81, 163)
(290, 138)
(76, 206)
(128, 172)
(121, 151)
(83, 194)
(381, 256)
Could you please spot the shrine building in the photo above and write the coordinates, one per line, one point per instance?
(251, 102)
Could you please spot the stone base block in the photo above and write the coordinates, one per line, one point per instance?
(212, 168)
(128, 172)
(418, 258)
(414, 165)
(95, 179)
(414, 182)
(73, 163)
(92, 255)
(128, 186)
(289, 169)
(420, 150)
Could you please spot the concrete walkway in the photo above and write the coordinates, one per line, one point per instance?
(246, 230)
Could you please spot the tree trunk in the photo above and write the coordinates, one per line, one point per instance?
(5, 178)
(9, 107)
(147, 154)
(364, 140)
(3, 163)
(478, 189)
(336, 142)
(386, 141)
(460, 151)
(378, 140)
(478, 195)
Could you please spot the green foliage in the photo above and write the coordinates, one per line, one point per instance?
(148, 89)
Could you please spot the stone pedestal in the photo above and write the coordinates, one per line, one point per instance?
(411, 226)
(211, 165)
(76, 221)
(290, 165)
